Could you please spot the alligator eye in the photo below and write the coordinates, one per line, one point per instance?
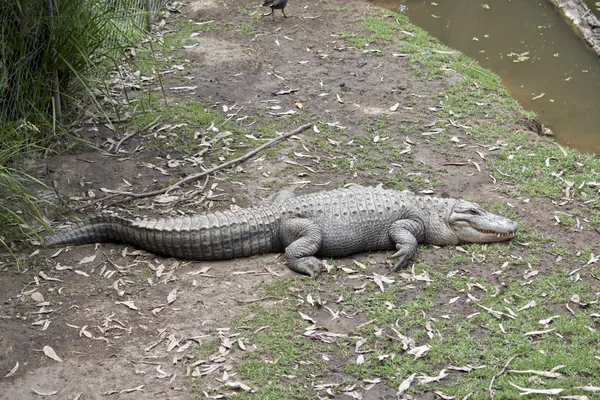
(473, 211)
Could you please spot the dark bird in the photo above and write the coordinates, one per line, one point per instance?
(276, 5)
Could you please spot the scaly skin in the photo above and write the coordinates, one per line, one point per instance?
(328, 224)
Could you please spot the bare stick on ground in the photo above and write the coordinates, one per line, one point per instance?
(130, 195)
(490, 388)
(118, 146)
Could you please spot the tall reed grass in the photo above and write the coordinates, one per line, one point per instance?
(49, 47)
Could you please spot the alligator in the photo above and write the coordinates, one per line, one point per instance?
(333, 223)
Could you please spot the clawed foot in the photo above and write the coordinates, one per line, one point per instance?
(310, 266)
(404, 255)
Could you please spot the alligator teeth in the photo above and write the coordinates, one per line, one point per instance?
(511, 233)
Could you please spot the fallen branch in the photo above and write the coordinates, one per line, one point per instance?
(118, 146)
(130, 196)
(490, 388)
(133, 133)
(254, 300)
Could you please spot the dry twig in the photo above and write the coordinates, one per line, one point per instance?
(118, 146)
(490, 388)
(254, 300)
(130, 196)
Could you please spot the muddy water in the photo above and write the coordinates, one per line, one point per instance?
(541, 61)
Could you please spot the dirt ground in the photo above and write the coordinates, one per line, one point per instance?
(125, 323)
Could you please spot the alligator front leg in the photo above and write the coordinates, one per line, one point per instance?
(406, 235)
(302, 239)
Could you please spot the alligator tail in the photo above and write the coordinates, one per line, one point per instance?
(210, 236)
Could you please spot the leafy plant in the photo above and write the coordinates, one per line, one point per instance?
(49, 48)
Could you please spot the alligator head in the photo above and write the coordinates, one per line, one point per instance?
(472, 224)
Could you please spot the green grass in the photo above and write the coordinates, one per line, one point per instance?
(69, 48)
(547, 170)
(479, 340)
(280, 354)
(21, 213)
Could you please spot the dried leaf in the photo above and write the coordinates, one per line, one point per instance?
(420, 351)
(526, 391)
(378, 282)
(129, 304)
(50, 353)
(423, 379)
(183, 348)
(548, 374)
(172, 296)
(281, 92)
(444, 396)
(54, 255)
(289, 112)
(359, 344)
(87, 260)
(547, 320)
(406, 341)
(202, 270)
(535, 333)
(37, 297)
(188, 88)
(467, 368)
(306, 317)
(405, 385)
(531, 274)
(472, 298)
(84, 332)
(44, 394)
(423, 277)
(164, 199)
(354, 394)
(48, 278)
(12, 371)
(238, 385)
(589, 388)
(334, 314)
(135, 389)
(531, 304)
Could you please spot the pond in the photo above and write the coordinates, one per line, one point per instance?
(541, 60)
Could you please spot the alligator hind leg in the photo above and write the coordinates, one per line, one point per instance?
(302, 239)
(406, 234)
